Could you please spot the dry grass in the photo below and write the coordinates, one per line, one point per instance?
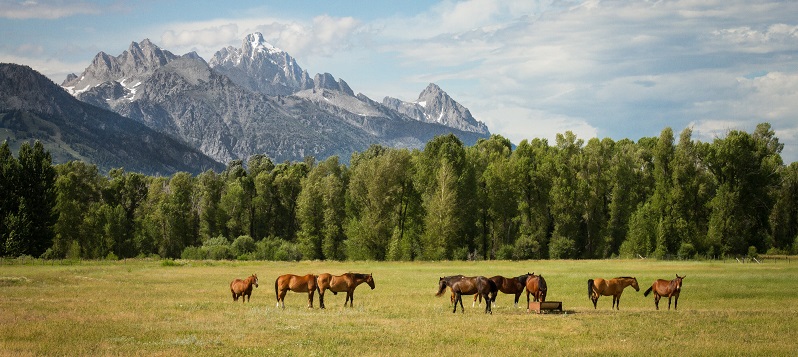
(146, 308)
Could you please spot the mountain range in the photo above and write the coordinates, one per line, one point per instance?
(256, 99)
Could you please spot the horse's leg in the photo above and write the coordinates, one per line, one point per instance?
(351, 298)
(594, 298)
(488, 309)
(669, 302)
(476, 296)
(656, 300)
(515, 304)
(281, 298)
(310, 298)
(676, 302)
(527, 301)
(321, 298)
(459, 298)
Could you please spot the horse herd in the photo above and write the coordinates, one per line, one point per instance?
(479, 286)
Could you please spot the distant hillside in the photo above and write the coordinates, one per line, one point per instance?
(34, 108)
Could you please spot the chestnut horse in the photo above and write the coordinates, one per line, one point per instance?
(295, 283)
(340, 283)
(669, 288)
(536, 285)
(508, 286)
(614, 287)
(243, 287)
(468, 286)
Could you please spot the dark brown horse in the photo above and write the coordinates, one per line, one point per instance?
(340, 283)
(295, 283)
(669, 288)
(243, 287)
(468, 286)
(508, 286)
(613, 287)
(536, 285)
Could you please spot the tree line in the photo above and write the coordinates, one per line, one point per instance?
(657, 197)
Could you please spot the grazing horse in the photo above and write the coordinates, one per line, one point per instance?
(614, 287)
(339, 283)
(295, 283)
(536, 285)
(243, 287)
(508, 286)
(468, 286)
(669, 288)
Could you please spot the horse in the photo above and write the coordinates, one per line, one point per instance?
(243, 287)
(508, 286)
(667, 288)
(536, 285)
(339, 283)
(468, 286)
(614, 287)
(295, 283)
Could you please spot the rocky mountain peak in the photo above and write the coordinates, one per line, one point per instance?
(258, 65)
(436, 106)
(327, 81)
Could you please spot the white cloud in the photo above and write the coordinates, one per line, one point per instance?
(48, 10)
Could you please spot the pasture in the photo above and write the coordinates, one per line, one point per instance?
(145, 307)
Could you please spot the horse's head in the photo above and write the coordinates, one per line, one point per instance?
(678, 282)
(370, 281)
(255, 279)
(442, 284)
(634, 284)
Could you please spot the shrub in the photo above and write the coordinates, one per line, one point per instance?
(460, 253)
(752, 252)
(267, 249)
(526, 248)
(686, 251)
(194, 253)
(219, 252)
(561, 247)
(111, 256)
(288, 252)
(242, 245)
(505, 252)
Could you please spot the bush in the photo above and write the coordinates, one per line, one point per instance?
(526, 248)
(243, 245)
(752, 252)
(267, 249)
(505, 252)
(288, 252)
(686, 251)
(460, 253)
(561, 248)
(220, 240)
(219, 252)
(194, 253)
(111, 256)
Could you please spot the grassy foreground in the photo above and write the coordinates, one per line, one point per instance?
(146, 308)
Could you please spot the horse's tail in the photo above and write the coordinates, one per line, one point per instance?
(649, 290)
(276, 292)
(589, 288)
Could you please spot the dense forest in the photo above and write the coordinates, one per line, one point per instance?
(658, 197)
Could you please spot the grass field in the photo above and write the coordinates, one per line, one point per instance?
(143, 307)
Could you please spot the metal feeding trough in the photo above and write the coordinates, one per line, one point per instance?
(538, 306)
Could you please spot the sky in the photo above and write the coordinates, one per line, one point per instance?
(528, 69)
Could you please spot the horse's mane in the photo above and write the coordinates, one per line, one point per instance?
(359, 275)
(625, 277)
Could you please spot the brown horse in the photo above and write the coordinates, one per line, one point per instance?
(669, 288)
(614, 287)
(295, 283)
(243, 287)
(508, 286)
(339, 283)
(536, 285)
(468, 286)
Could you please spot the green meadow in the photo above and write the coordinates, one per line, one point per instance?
(151, 307)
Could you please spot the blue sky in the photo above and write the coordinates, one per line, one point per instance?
(618, 69)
